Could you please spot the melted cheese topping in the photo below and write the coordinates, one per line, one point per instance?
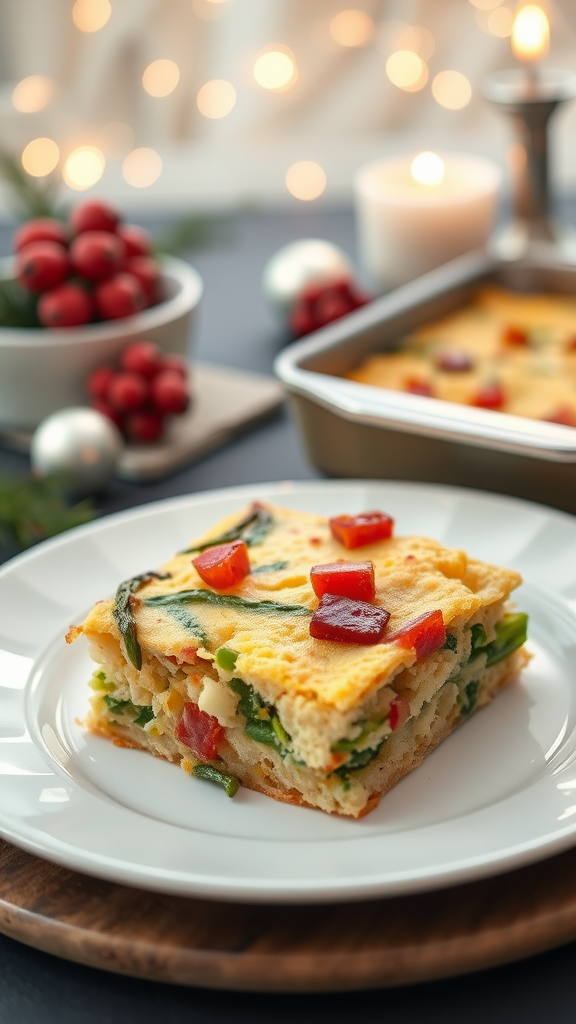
(538, 379)
(276, 653)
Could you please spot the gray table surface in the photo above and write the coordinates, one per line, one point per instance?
(237, 329)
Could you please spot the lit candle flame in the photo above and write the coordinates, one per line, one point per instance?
(530, 33)
(428, 169)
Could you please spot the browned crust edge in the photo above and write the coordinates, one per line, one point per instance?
(518, 660)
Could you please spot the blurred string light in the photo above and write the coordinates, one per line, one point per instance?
(500, 22)
(497, 22)
(32, 94)
(142, 167)
(40, 157)
(530, 33)
(210, 10)
(216, 98)
(275, 69)
(115, 139)
(397, 35)
(91, 15)
(305, 180)
(452, 90)
(352, 28)
(83, 167)
(407, 70)
(161, 77)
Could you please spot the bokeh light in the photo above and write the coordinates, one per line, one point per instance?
(452, 90)
(500, 22)
(428, 169)
(216, 98)
(305, 180)
(91, 15)
(210, 10)
(352, 28)
(40, 157)
(142, 167)
(485, 5)
(83, 167)
(530, 33)
(32, 94)
(407, 70)
(115, 139)
(161, 77)
(276, 69)
(398, 35)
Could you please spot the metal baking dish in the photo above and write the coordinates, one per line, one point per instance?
(355, 430)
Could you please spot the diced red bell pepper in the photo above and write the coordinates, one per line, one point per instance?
(399, 712)
(347, 579)
(223, 566)
(515, 336)
(425, 634)
(349, 622)
(564, 415)
(490, 396)
(419, 387)
(454, 361)
(365, 528)
(199, 731)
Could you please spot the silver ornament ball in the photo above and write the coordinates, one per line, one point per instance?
(308, 261)
(80, 445)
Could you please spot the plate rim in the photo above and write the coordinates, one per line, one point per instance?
(298, 890)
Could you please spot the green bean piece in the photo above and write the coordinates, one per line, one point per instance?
(229, 783)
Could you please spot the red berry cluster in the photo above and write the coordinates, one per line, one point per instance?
(321, 303)
(94, 268)
(147, 386)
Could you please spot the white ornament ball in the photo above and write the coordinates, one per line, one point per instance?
(80, 445)
(308, 261)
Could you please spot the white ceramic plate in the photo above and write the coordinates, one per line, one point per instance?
(499, 793)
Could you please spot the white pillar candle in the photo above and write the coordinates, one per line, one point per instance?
(416, 212)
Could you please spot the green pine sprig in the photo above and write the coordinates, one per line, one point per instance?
(34, 197)
(31, 510)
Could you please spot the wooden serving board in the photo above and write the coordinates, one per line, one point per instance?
(314, 948)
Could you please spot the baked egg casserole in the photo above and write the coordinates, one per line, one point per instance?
(314, 660)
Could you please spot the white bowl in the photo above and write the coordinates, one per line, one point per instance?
(43, 370)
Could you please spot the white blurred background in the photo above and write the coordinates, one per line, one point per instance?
(159, 104)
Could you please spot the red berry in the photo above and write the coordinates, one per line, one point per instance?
(301, 321)
(169, 392)
(94, 215)
(41, 265)
(67, 305)
(121, 295)
(41, 229)
(103, 407)
(175, 364)
(99, 381)
(137, 241)
(144, 426)
(127, 392)
(143, 357)
(331, 306)
(148, 273)
(97, 255)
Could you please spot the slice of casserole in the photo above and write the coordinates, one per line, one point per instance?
(249, 678)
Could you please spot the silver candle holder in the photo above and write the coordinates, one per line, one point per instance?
(530, 96)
